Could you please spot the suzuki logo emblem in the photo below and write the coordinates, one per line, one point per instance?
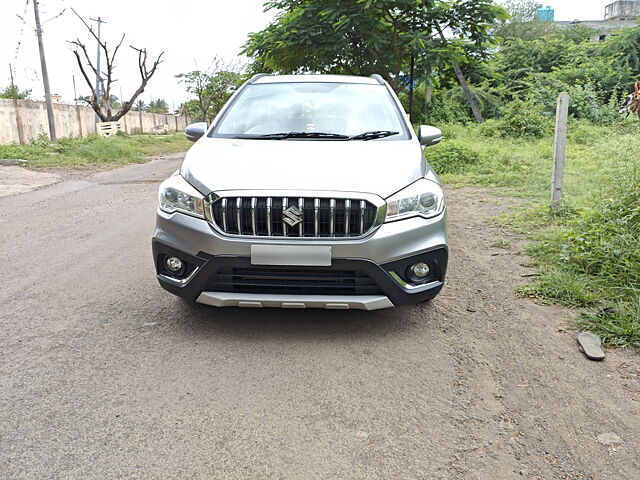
(292, 216)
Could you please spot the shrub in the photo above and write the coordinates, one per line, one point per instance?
(41, 140)
(490, 128)
(524, 119)
(445, 110)
(451, 157)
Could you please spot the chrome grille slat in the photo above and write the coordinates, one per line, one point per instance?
(285, 204)
(224, 214)
(332, 216)
(253, 215)
(250, 216)
(238, 216)
(269, 200)
(301, 224)
(347, 216)
(316, 213)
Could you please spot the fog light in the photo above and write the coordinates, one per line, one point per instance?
(420, 269)
(173, 263)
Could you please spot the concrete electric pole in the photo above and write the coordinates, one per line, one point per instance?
(45, 76)
(100, 22)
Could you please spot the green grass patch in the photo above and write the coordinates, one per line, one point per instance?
(93, 150)
(587, 252)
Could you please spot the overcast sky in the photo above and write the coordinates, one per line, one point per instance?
(187, 31)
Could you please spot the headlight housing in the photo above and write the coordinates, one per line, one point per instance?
(177, 195)
(423, 198)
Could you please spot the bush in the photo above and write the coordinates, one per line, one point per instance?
(524, 119)
(490, 128)
(451, 157)
(445, 110)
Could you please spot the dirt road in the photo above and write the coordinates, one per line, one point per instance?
(105, 375)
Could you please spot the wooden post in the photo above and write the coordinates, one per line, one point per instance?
(559, 146)
(140, 118)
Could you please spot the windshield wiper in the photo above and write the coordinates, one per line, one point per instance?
(373, 134)
(283, 135)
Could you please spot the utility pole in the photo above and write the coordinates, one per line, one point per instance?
(45, 75)
(99, 21)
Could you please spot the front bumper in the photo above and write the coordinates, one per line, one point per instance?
(383, 257)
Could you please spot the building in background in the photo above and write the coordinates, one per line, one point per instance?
(545, 14)
(622, 10)
(617, 15)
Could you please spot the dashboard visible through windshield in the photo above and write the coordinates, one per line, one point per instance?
(312, 110)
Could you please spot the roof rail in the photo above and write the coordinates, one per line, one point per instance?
(256, 77)
(377, 77)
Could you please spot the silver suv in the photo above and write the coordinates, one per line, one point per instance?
(305, 191)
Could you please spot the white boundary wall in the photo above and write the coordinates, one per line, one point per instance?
(71, 121)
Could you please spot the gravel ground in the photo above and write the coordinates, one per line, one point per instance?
(105, 375)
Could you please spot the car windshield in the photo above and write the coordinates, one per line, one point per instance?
(307, 109)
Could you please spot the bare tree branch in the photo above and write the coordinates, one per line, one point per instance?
(103, 106)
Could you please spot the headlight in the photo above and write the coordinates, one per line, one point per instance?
(176, 195)
(424, 198)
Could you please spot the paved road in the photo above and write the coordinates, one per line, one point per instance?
(105, 375)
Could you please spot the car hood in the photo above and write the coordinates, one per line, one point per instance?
(375, 166)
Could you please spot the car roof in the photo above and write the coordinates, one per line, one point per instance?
(307, 78)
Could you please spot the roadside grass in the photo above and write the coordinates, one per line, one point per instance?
(93, 150)
(588, 252)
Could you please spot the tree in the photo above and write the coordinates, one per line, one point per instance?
(362, 37)
(139, 106)
(12, 91)
(103, 105)
(212, 87)
(158, 106)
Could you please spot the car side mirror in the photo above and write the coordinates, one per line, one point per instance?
(428, 135)
(194, 131)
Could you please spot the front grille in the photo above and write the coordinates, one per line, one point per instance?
(293, 217)
(294, 281)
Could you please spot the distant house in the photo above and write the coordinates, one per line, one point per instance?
(622, 10)
(617, 15)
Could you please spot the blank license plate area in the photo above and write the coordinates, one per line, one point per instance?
(300, 255)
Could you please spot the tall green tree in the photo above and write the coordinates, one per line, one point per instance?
(212, 87)
(139, 106)
(158, 106)
(369, 36)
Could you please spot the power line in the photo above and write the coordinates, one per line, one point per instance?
(55, 16)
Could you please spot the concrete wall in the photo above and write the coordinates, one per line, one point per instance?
(71, 121)
(603, 28)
